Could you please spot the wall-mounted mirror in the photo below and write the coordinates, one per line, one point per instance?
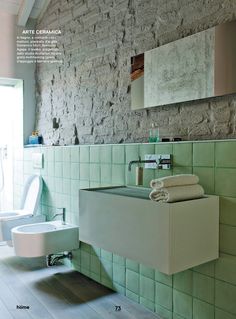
(199, 66)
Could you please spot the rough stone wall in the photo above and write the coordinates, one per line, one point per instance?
(87, 99)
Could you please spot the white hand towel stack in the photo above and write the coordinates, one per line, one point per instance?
(176, 188)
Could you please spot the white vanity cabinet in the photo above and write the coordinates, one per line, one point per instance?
(170, 237)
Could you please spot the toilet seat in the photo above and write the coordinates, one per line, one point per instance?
(14, 214)
(28, 209)
(32, 194)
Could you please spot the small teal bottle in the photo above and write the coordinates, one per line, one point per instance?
(153, 134)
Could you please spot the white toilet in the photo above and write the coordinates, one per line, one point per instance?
(28, 209)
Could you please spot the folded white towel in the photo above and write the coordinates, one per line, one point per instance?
(176, 193)
(175, 180)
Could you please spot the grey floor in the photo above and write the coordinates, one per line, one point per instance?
(57, 293)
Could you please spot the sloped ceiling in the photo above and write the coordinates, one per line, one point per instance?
(24, 9)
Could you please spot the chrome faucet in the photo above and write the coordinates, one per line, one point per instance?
(62, 213)
(140, 162)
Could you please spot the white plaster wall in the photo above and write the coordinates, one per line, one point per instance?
(10, 69)
(7, 41)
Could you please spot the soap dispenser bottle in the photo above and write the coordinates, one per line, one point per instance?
(139, 176)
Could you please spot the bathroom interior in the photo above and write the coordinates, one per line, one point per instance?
(145, 96)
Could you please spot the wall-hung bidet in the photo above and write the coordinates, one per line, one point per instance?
(35, 240)
(28, 209)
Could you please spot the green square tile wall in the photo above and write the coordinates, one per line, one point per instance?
(206, 291)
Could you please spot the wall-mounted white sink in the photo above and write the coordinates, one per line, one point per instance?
(170, 237)
(34, 240)
(129, 191)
